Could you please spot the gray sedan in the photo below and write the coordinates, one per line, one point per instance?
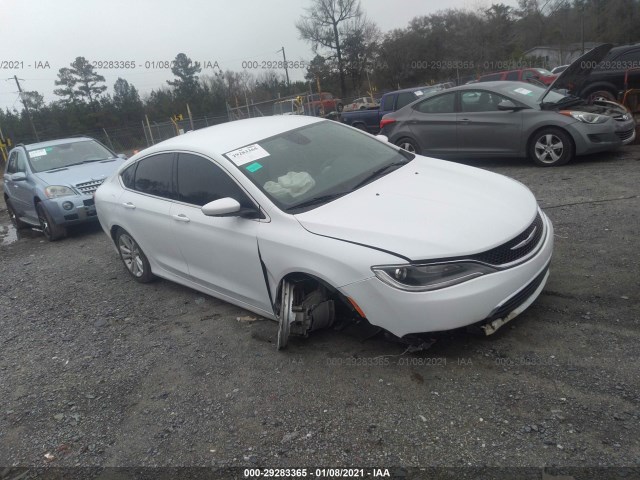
(508, 119)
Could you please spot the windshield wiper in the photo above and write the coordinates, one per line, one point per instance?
(377, 173)
(316, 200)
(59, 169)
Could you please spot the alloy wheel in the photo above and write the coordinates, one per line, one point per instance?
(131, 255)
(549, 148)
(408, 146)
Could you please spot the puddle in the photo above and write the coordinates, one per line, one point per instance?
(8, 234)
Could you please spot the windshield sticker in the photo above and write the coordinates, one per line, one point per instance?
(37, 153)
(247, 154)
(523, 91)
(418, 93)
(254, 167)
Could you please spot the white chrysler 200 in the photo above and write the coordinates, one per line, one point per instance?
(297, 219)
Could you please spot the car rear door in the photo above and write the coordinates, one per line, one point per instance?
(221, 252)
(483, 129)
(433, 124)
(144, 210)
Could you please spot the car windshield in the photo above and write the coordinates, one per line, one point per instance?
(66, 154)
(309, 166)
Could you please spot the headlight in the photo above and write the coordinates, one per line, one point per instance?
(422, 278)
(585, 117)
(55, 191)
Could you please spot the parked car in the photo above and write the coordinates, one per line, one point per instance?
(296, 218)
(509, 119)
(559, 69)
(292, 106)
(320, 104)
(605, 79)
(51, 184)
(530, 75)
(369, 120)
(362, 103)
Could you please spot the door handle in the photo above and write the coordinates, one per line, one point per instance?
(129, 205)
(181, 217)
(464, 120)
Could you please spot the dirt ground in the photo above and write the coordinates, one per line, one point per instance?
(97, 370)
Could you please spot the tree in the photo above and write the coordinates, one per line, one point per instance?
(79, 81)
(87, 79)
(125, 95)
(325, 25)
(33, 100)
(186, 85)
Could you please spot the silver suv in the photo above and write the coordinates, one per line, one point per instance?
(50, 185)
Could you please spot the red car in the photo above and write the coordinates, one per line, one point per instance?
(522, 75)
(322, 103)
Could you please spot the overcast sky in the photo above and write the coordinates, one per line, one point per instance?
(228, 32)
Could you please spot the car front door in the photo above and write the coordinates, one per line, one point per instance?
(221, 252)
(145, 210)
(22, 192)
(483, 129)
(433, 124)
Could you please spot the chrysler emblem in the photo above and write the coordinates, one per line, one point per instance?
(526, 240)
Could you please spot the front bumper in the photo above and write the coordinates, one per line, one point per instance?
(81, 210)
(468, 303)
(600, 138)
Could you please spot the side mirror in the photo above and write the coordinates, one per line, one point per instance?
(222, 206)
(383, 138)
(506, 105)
(122, 155)
(19, 177)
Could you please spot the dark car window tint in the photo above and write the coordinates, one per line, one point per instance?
(479, 101)
(128, 176)
(153, 175)
(405, 99)
(388, 103)
(200, 181)
(512, 76)
(439, 104)
(21, 162)
(13, 163)
(633, 57)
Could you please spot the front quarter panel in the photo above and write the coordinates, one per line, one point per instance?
(286, 247)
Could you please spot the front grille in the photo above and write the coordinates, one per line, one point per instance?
(89, 202)
(625, 135)
(506, 253)
(519, 298)
(89, 187)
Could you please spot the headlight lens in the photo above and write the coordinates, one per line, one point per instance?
(585, 117)
(422, 278)
(55, 191)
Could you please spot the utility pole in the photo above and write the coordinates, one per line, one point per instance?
(33, 127)
(286, 70)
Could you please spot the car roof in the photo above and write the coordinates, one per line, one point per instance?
(225, 137)
(60, 141)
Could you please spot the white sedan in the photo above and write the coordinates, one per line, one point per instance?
(301, 220)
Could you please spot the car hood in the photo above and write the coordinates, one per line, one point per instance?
(428, 209)
(84, 172)
(576, 74)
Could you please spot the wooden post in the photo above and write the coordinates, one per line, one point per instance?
(190, 117)
(150, 132)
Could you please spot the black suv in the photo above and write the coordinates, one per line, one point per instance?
(607, 78)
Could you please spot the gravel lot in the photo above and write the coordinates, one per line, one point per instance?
(98, 370)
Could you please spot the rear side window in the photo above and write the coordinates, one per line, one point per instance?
(153, 175)
(128, 176)
(512, 76)
(387, 101)
(439, 104)
(200, 181)
(405, 99)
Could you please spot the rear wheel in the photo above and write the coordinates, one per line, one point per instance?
(50, 229)
(13, 216)
(551, 147)
(133, 257)
(409, 145)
